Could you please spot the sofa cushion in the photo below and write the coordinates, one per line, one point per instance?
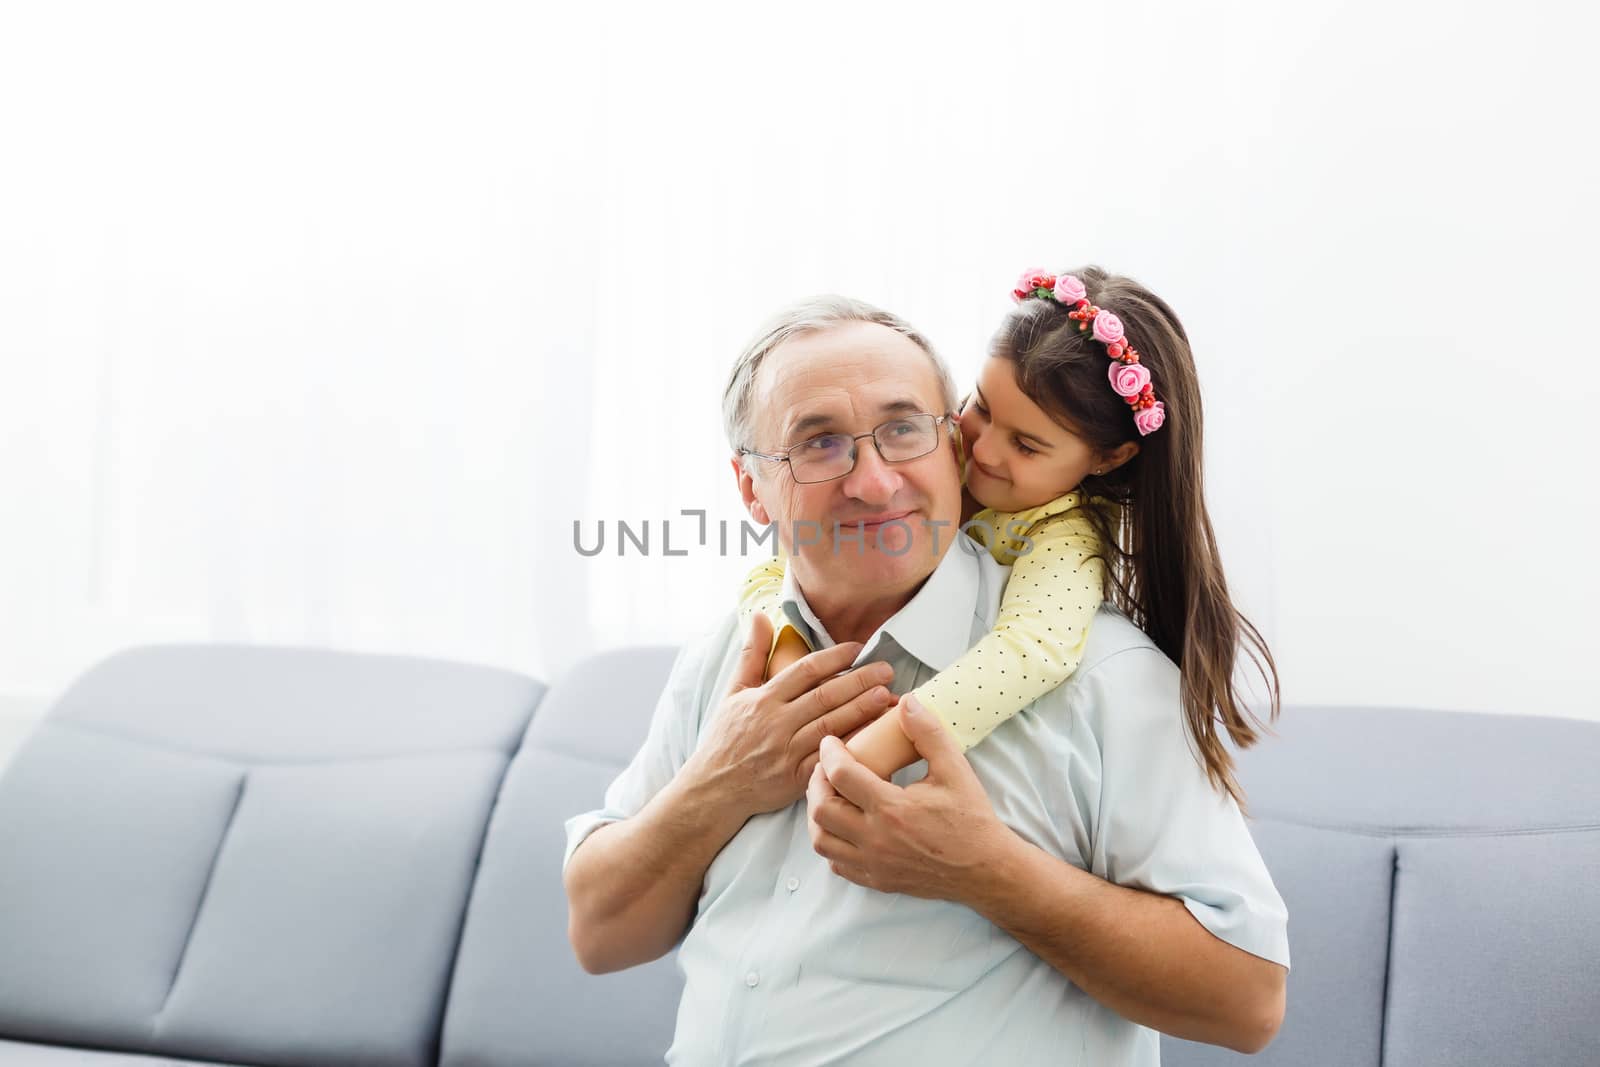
(1496, 950)
(107, 845)
(329, 926)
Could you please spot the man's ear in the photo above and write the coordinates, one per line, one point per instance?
(1110, 461)
(747, 492)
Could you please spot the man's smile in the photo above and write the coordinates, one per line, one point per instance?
(873, 522)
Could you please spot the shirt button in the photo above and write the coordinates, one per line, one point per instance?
(794, 883)
(751, 979)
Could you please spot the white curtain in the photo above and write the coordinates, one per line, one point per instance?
(325, 324)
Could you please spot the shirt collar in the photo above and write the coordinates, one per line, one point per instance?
(935, 625)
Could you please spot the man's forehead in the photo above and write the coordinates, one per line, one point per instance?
(828, 379)
(843, 411)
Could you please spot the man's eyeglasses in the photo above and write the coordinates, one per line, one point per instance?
(833, 455)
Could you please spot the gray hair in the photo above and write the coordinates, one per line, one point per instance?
(809, 316)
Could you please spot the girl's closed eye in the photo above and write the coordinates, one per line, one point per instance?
(1023, 447)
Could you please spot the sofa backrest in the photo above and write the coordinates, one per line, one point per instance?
(249, 855)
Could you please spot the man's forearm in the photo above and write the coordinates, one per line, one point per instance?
(632, 885)
(1143, 955)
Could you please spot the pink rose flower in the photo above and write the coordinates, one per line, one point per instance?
(1107, 328)
(1150, 419)
(1128, 379)
(1070, 290)
(1034, 278)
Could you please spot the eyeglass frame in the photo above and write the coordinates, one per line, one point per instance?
(855, 453)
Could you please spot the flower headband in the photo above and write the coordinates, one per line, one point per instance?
(1129, 379)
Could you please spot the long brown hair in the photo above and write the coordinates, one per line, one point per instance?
(1163, 570)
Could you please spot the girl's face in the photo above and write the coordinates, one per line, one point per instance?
(1017, 456)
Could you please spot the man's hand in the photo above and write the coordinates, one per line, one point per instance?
(763, 740)
(931, 839)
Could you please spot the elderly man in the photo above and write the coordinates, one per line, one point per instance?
(1056, 895)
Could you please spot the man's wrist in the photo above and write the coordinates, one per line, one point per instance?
(991, 889)
(708, 799)
(1026, 891)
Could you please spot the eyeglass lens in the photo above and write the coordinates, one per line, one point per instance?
(833, 455)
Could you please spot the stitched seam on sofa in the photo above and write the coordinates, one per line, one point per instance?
(436, 1045)
(1388, 953)
(1431, 831)
(205, 890)
(234, 759)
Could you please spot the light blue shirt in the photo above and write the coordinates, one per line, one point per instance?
(787, 963)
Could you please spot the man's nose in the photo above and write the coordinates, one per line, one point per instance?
(873, 481)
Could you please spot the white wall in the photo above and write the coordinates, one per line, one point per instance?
(321, 324)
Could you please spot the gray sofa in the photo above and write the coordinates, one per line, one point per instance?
(274, 856)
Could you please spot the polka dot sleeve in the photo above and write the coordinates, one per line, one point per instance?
(763, 592)
(1038, 638)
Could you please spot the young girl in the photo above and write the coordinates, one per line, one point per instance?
(1083, 447)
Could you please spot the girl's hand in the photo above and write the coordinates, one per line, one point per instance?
(791, 647)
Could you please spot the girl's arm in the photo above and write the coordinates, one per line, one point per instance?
(1036, 644)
